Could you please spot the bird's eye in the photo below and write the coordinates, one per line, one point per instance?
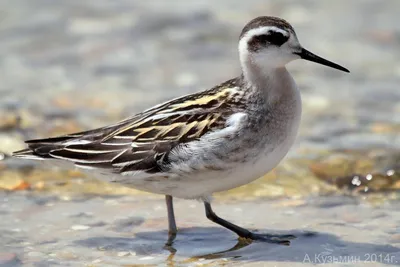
(272, 37)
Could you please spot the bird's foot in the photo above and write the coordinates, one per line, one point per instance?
(171, 238)
(273, 239)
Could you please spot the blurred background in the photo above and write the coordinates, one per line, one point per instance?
(68, 66)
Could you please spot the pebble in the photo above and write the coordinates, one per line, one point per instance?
(290, 203)
(126, 224)
(123, 253)
(8, 121)
(385, 128)
(9, 259)
(11, 180)
(395, 238)
(35, 254)
(111, 202)
(147, 258)
(79, 227)
(66, 255)
(350, 218)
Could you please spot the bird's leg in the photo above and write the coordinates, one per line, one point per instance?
(276, 239)
(171, 220)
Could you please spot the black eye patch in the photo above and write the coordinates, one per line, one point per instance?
(271, 38)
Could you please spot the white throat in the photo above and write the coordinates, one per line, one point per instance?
(264, 69)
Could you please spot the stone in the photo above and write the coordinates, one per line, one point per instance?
(8, 259)
(80, 227)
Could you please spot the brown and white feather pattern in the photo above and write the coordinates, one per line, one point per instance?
(144, 142)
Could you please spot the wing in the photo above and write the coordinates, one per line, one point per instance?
(144, 141)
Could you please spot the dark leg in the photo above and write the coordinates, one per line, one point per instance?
(171, 220)
(276, 239)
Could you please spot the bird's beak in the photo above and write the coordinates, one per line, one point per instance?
(307, 55)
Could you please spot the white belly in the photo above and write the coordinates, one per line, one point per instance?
(204, 184)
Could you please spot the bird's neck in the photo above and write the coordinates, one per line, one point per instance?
(272, 83)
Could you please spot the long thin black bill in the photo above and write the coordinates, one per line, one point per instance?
(307, 55)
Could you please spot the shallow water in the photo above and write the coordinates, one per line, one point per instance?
(124, 231)
(72, 65)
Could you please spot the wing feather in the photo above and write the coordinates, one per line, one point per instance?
(144, 141)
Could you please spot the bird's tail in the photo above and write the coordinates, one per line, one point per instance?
(38, 149)
(27, 154)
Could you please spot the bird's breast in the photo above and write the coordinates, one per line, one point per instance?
(273, 136)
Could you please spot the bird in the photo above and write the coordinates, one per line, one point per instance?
(196, 145)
